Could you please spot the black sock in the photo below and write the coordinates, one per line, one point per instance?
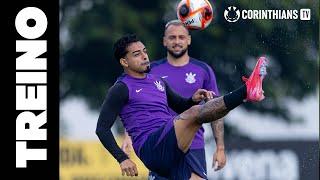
(235, 98)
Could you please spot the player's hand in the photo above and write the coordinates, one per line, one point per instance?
(210, 95)
(128, 168)
(127, 145)
(202, 94)
(219, 160)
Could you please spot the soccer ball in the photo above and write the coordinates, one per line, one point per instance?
(195, 14)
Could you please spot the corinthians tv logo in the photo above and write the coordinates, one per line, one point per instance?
(233, 14)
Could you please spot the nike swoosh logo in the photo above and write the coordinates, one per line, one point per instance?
(164, 76)
(138, 90)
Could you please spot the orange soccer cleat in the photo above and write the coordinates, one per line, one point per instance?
(254, 82)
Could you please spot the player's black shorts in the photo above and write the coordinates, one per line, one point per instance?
(160, 154)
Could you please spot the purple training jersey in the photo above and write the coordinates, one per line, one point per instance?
(185, 80)
(147, 107)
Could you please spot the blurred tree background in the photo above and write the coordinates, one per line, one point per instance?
(88, 29)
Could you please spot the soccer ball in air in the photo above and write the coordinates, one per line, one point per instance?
(195, 14)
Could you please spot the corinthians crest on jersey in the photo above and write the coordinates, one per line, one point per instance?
(159, 86)
(190, 78)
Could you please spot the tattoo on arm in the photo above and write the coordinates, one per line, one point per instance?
(212, 110)
(218, 132)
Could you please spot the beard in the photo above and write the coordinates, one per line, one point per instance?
(177, 54)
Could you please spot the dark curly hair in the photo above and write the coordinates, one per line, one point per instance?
(121, 45)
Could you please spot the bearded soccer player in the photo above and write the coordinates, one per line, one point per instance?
(185, 75)
(142, 100)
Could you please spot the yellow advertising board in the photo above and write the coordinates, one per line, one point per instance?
(89, 160)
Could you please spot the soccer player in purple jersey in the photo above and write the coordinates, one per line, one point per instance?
(185, 75)
(142, 101)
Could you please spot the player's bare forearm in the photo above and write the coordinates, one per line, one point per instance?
(218, 133)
